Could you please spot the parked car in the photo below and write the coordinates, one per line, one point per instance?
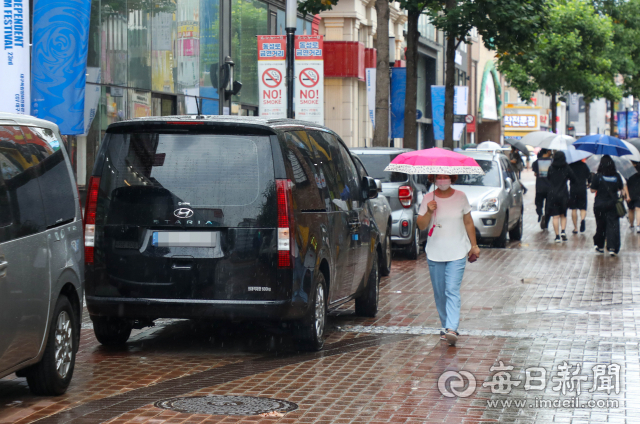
(404, 192)
(495, 198)
(227, 217)
(382, 213)
(41, 255)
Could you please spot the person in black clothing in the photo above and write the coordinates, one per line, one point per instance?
(558, 196)
(578, 194)
(633, 202)
(518, 164)
(540, 169)
(606, 184)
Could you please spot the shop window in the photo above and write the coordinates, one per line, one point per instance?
(248, 20)
(139, 25)
(209, 29)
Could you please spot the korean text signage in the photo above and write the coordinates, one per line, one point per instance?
(528, 122)
(15, 92)
(271, 76)
(371, 94)
(309, 82)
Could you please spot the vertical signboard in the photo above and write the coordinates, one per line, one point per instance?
(398, 94)
(622, 125)
(271, 75)
(371, 94)
(437, 111)
(59, 62)
(15, 90)
(309, 83)
(632, 117)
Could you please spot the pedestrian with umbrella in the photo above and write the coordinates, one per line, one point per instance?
(607, 184)
(558, 196)
(633, 202)
(452, 235)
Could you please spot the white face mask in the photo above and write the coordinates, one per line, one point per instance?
(443, 183)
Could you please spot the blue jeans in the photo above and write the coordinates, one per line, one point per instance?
(445, 279)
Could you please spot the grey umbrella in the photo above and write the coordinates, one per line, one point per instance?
(623, 165)
(519, 145)
(635, 142)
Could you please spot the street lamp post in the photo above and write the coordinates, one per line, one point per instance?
(290, 27)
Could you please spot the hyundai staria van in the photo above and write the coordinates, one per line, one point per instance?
(230, 218)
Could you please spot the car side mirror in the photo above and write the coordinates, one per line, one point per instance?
(508, 183)
(378, 185)
(370, 187)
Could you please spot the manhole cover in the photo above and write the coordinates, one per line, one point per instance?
(226, 405)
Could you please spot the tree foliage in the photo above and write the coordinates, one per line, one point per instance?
(507, 26)
(625, 56)
(572, 54)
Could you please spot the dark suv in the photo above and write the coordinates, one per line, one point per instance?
(223, 217)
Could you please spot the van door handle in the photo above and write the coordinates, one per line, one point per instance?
(3, 267)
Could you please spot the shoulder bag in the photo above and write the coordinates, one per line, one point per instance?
(621, 210)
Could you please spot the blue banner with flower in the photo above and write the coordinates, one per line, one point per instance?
(59, 62)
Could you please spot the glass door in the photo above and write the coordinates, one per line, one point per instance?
(163, 105)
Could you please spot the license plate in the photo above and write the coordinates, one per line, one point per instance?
(184, 239)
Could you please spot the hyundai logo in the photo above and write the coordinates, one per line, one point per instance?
(183, 213)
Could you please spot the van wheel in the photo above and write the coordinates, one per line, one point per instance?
(501, 241)
(111, 331)
(367, 303)
(385, 260)
(413, 250)
(52, 375)
(309, 331)
(516, 233)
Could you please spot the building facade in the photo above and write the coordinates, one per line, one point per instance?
(158, 58)
(350, 32)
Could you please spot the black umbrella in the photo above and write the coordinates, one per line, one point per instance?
(520, 146)
(635, 142)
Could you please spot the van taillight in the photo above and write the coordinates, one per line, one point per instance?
(285, 224)
(405, 194)
(90, 219)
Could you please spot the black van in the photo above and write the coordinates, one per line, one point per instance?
(227, 217)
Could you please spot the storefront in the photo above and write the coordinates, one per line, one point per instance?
(490, 105)
(159, 58)
(521, 120)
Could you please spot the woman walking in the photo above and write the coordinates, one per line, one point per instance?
(558, 197)
(606, 184)
(633, 202)
(578, 194)
(452, 238)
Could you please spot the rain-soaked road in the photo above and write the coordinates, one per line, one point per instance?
(562, 319)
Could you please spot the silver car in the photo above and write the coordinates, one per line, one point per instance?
(404, 192)
(382, 214)
(495, 198)
(41, 255)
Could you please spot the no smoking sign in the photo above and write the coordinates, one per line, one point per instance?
(271, 78)
(309, 77)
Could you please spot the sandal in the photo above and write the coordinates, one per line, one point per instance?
(442, 337)
(451, 336)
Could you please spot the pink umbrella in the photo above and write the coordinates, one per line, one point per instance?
(434, 161)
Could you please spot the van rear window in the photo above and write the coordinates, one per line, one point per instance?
(188, 180)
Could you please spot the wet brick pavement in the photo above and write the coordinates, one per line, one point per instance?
(534, 304)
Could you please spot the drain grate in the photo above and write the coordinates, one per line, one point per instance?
(226, 405)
